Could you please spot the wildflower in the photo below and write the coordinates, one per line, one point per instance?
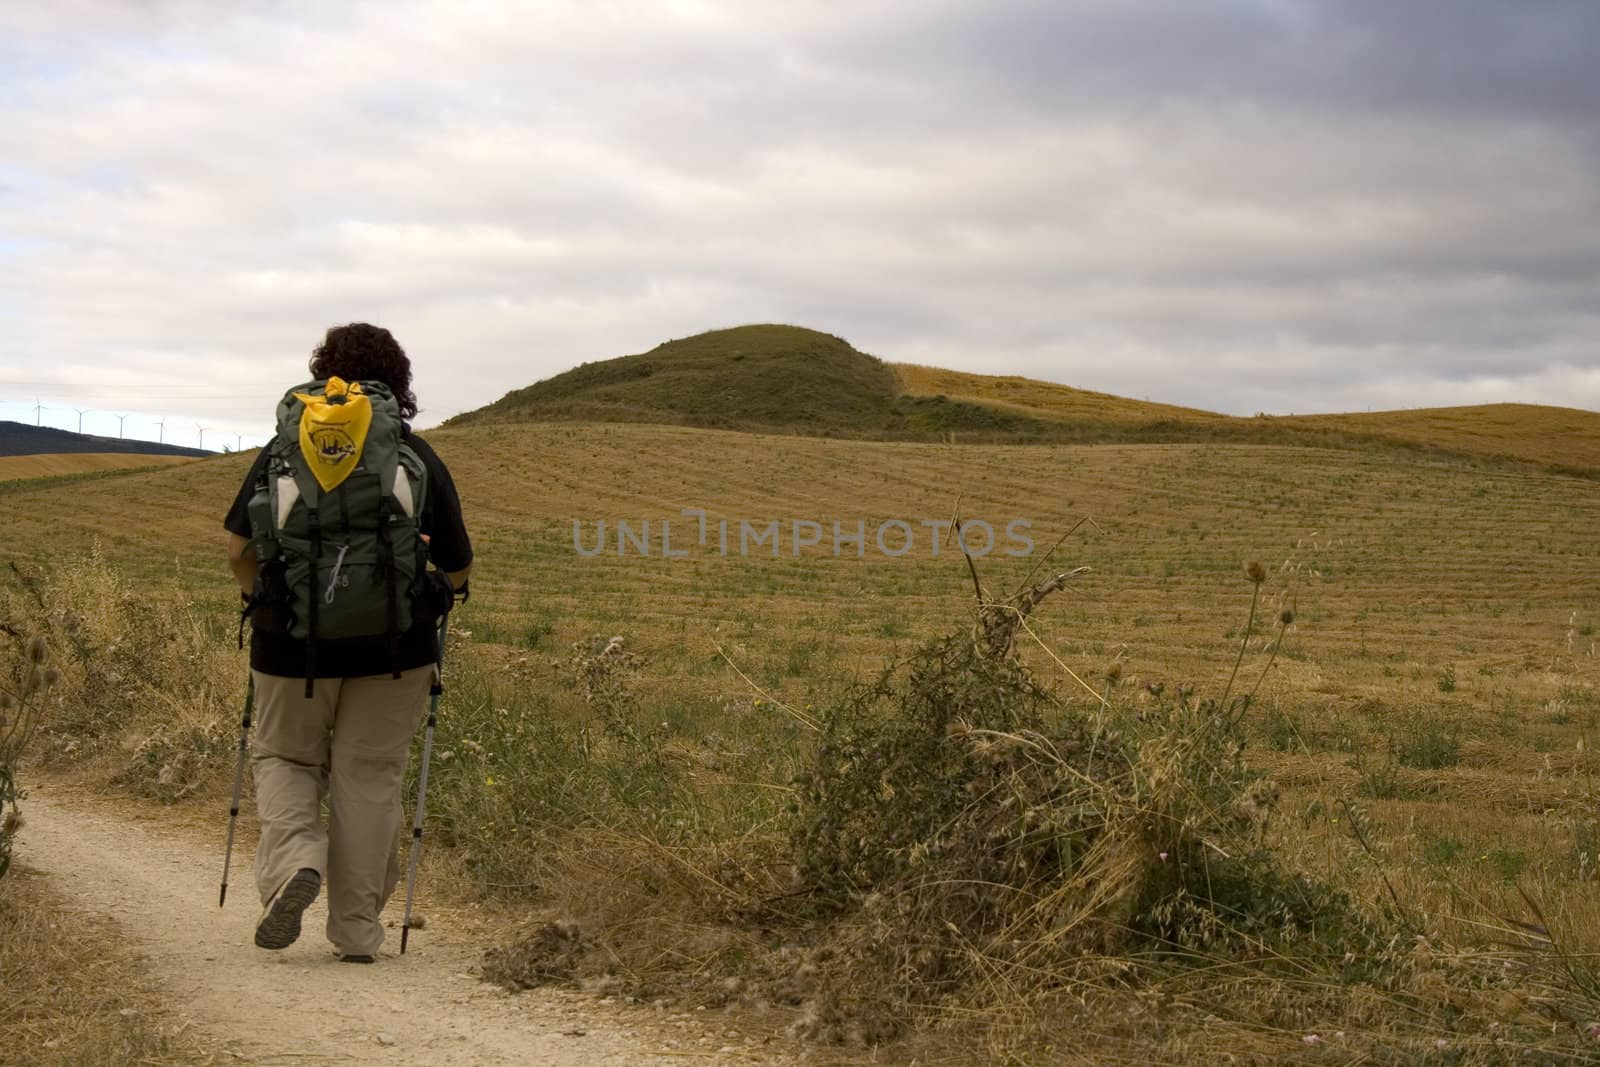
(1255, 572)
(1311, 1039)
(488, 781)
(1286, 616)
(1163, 856)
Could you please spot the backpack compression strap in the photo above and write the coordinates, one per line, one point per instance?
(311, 605)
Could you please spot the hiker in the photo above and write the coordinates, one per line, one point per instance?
(330, 538)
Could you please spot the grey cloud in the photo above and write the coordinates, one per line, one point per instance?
(1516, 58)
(1238, 205)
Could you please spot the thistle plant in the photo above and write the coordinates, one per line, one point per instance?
(26, 677)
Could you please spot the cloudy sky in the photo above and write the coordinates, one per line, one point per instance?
(1243, 205)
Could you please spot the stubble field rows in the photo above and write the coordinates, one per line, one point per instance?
(1440, 669)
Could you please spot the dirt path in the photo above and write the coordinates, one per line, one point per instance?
(301, 1006)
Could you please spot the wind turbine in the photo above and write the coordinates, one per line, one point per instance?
(120, 420)
(38, 409)
(81, 413)
(238, 442)
(161, 430)
(202, 430)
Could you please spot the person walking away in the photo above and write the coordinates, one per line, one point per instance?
(331, 538)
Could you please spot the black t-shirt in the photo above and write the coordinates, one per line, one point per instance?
(449, 549)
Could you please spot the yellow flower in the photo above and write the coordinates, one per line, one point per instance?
(488, 781)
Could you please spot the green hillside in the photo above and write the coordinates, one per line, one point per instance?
(764, 377)
(787, 379)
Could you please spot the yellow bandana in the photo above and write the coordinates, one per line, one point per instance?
(333, 430)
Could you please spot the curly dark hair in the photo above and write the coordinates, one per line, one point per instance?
(360, 351)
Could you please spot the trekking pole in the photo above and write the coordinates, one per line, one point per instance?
(422, 782)
(238, 783)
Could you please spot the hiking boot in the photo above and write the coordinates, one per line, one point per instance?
(354, 957)
(279, 925)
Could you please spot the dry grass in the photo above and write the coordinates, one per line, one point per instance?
(1562, 439)
(74, 996)
(1441, 673)
(1046, 400)
(1556, 437)
(46, 465)
(139, 657)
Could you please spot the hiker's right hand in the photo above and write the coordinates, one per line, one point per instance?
(440, 595)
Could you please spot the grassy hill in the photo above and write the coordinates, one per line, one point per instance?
(1560, 439)
(783, 379)
(1565, 440)
(786, 379)
(1045, 401)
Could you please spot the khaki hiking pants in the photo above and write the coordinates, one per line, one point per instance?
(347, 745)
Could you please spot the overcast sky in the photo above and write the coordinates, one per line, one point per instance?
(1260, 205)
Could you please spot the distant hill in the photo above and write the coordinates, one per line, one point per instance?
(787, 379)
(1565, 440)
(20, 439)
(772, 378)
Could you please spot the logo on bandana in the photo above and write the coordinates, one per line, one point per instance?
(333, 430)
(333, 445)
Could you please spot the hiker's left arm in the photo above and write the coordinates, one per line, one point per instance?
(241, 553)
(242, 561)
(449, 547)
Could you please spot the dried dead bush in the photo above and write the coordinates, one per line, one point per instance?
(150, 683)
(27, 677)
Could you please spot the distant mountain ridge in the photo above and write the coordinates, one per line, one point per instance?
(20, 439)
(788, 379)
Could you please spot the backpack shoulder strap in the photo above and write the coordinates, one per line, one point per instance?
(409, 482)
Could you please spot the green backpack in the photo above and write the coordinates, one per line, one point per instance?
(335, 520)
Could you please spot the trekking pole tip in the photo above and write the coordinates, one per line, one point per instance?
(222, 897)
(405, 932)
